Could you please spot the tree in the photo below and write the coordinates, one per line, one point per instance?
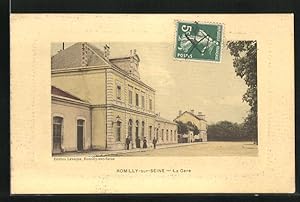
(182, 128)
(193, 127)
(245, 64)
(227, 131)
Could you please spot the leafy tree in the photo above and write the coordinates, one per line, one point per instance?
(193, 128)
(245, 64)
(196, 131)
(227, 131)
(182, 128)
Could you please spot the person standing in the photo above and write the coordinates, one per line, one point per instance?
(127, 143)
(154, 142)
(145, 143)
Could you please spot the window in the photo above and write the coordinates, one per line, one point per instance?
(143, 102)
(80, 134)
(143, 129)
(137, 136)
(171, 135)
(150, 132)
(118, 131)
(167, 135)
(119, 92)
(162, 134)
(157, 133)
(130, 97)
(150, 104)
(130, 129)
(57, 133)
(137, 129)
(137, 99)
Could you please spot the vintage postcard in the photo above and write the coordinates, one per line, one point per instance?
(152, 103)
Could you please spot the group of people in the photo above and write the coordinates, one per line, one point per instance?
(138, 142)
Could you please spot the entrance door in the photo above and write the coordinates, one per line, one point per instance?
(57, 132)
(137, 138)
(80, 130)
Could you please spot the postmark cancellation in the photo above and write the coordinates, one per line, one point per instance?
(198, 41)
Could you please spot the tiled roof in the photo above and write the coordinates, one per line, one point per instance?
(189, 114)
(59, 92)
(71, 57)
(97, 50)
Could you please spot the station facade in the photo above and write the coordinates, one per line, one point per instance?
(105, 100)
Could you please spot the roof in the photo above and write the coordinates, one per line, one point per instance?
(59, 92)
(71, 57)
(159, 118)
(125, 58)
(95, 49)
(190, 113)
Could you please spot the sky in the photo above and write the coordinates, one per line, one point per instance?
(207, 87)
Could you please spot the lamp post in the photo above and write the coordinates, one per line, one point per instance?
(117, 120)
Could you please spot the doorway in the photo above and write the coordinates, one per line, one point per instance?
(57, 133)
(80, 131)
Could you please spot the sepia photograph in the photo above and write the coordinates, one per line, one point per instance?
(136, 99)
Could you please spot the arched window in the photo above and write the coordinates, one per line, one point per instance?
(137, 129)
(167, 135)
(162, 135)
(137, 138)
(57, 133)
(171, 135)
(157, 133)
(143, 129)
(150, 132)
(130, 129)
(118, 131)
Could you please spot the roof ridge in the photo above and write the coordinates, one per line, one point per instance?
(94, 47)
(190, 114)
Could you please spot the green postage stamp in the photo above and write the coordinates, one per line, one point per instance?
(198, 41)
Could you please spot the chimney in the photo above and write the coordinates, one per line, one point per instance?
(179, 113)
(84, 62)
(192, 111)
(201, 116)
(106, 51)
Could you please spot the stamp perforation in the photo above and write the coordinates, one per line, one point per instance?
(218, 49)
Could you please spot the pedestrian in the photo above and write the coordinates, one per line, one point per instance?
(154, 142)
(145, 143)
(127, 142)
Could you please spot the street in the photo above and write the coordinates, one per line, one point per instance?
(202, 149)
